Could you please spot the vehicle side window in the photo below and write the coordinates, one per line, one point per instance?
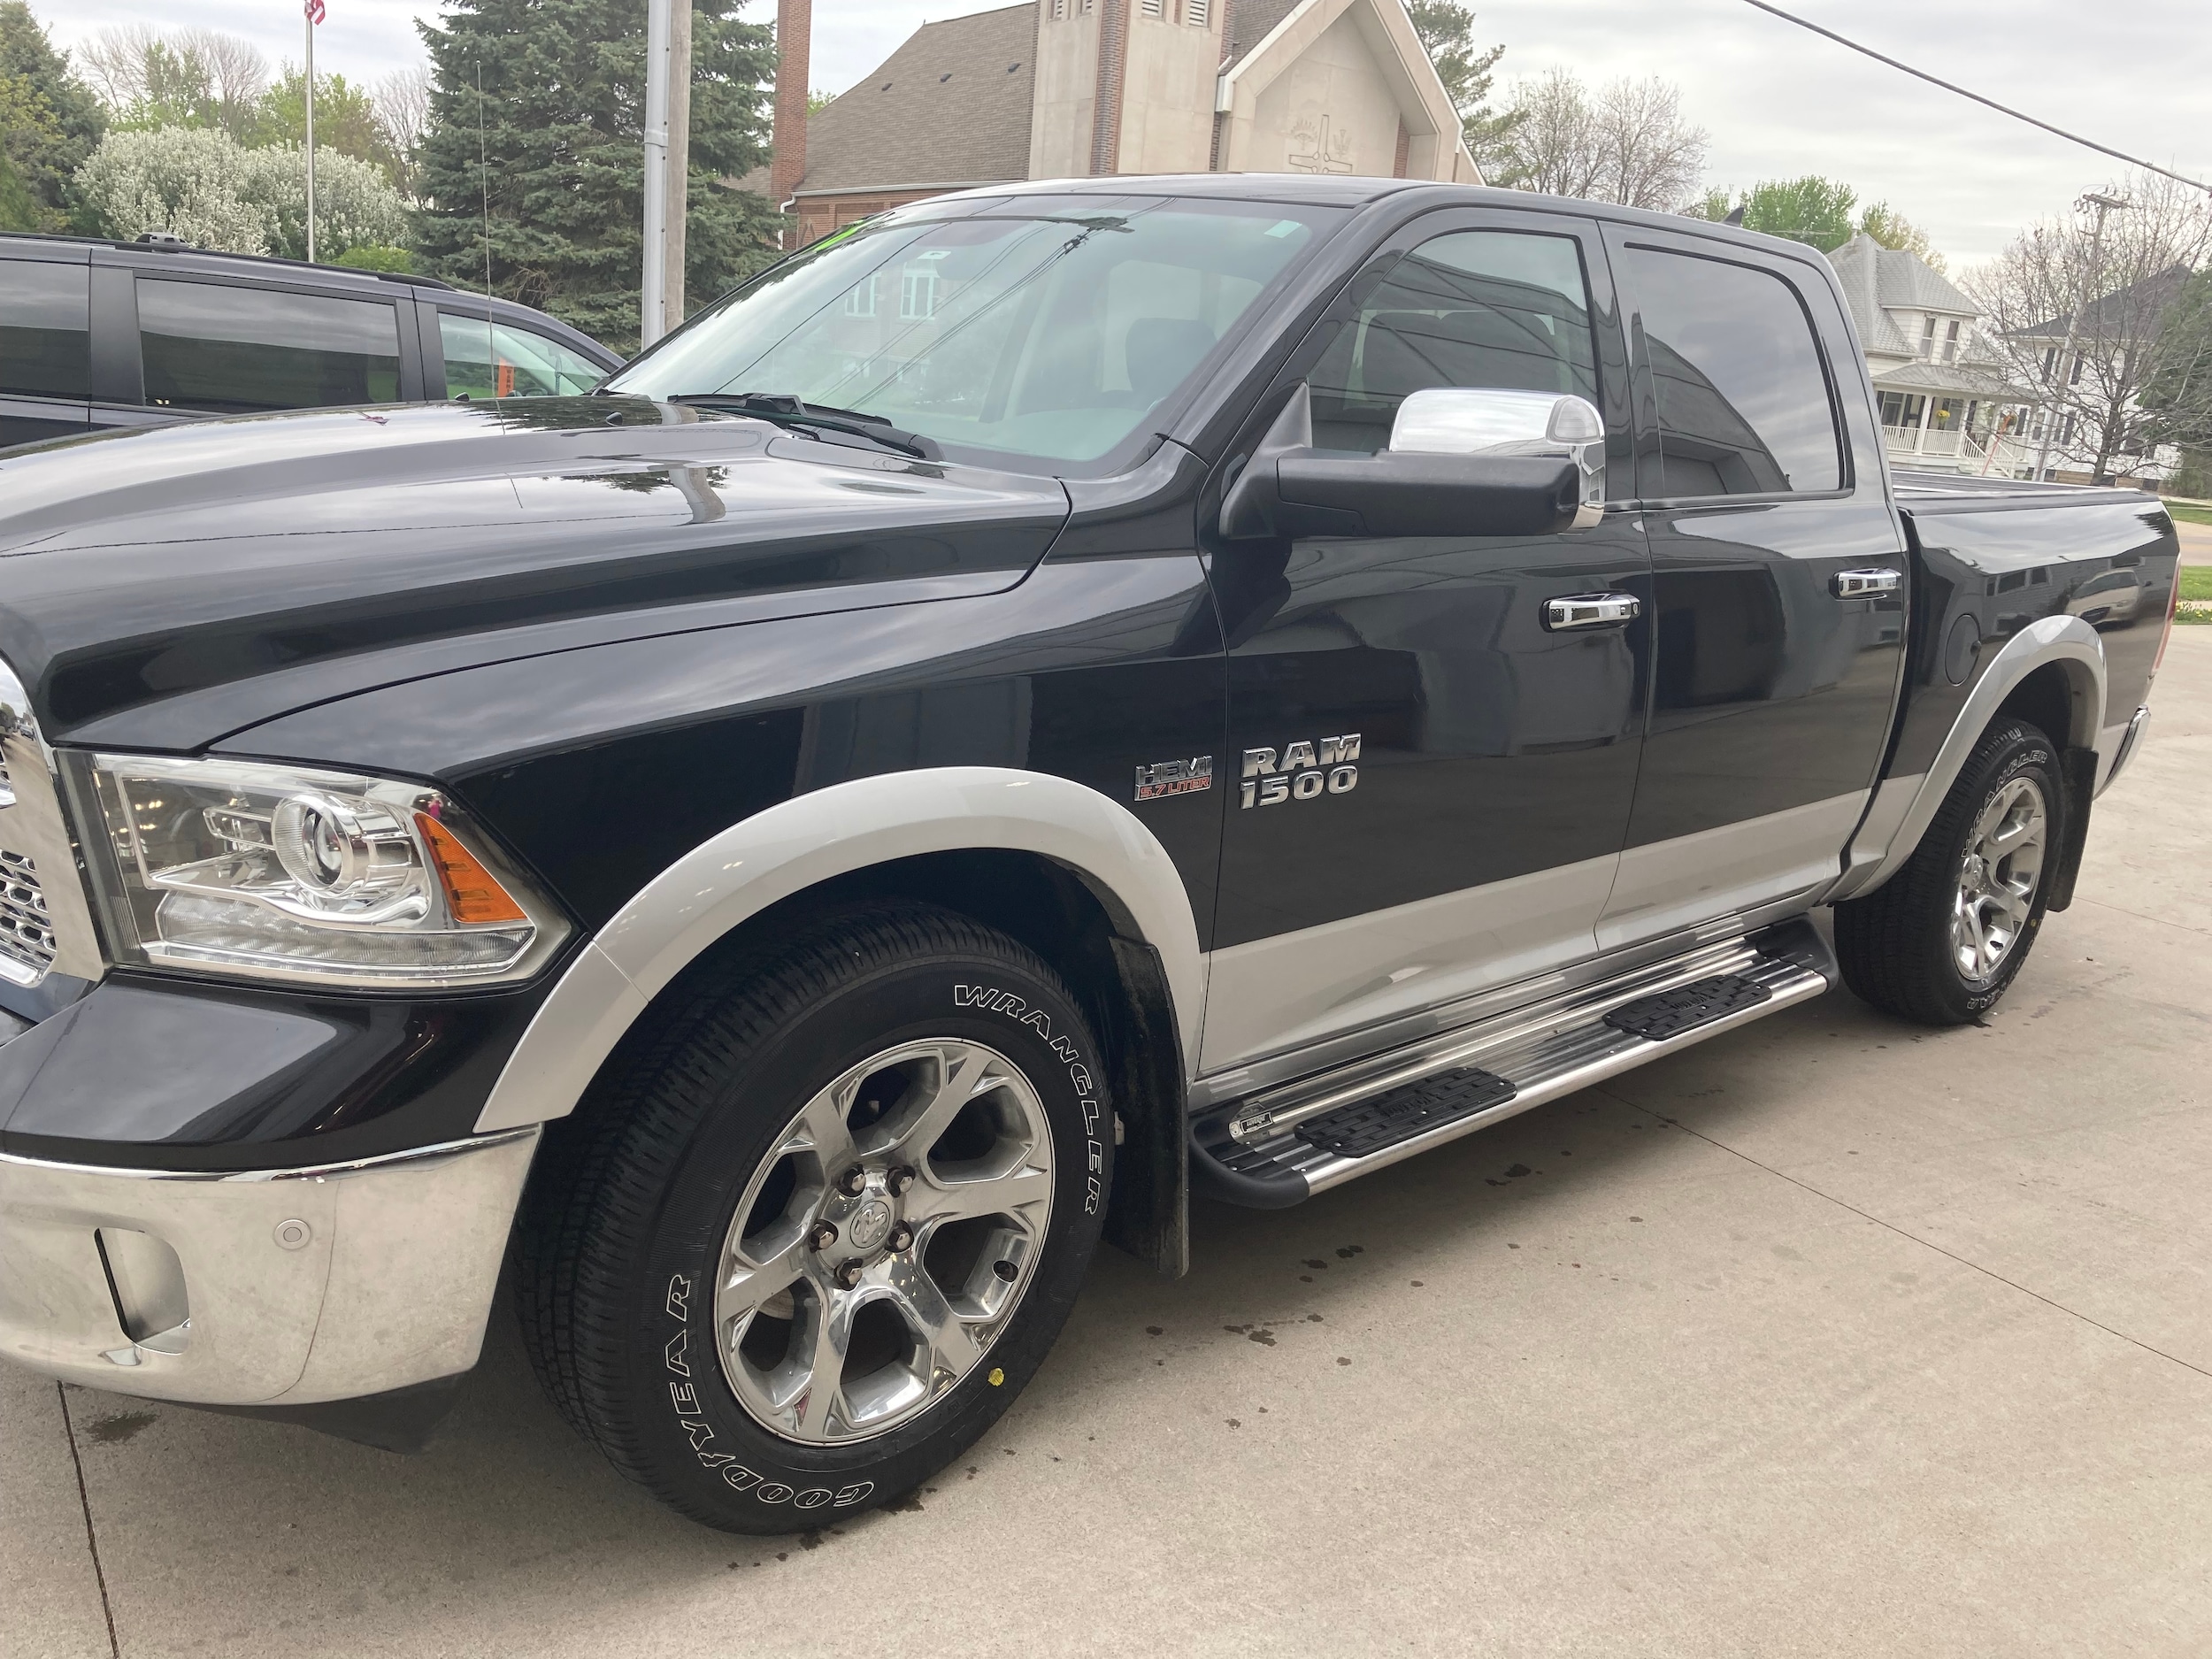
(233, 351)
(44, 329)
(1476, 308)
(490, 359)
(1743, 404)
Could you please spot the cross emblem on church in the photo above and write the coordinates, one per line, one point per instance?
(1325, 151)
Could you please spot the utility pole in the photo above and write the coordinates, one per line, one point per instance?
(314, 10)
(653, 307)
(678, 161)
(2100, 204)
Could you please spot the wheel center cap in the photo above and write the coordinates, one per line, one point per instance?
(870, 1224)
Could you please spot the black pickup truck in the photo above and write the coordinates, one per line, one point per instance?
(1049, 701)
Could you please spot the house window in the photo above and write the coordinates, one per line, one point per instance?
(2073, 376)
(1927, 339)
(1945, 417)
(860, 299)
(917, 294)
(2050, 363)
(1951, 342)
(1900, 411)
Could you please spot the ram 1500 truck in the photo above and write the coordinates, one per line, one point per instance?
(1046, 701)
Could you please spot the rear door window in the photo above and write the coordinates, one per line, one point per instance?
(226, 349)
(44, 317)
(1744, 406)
(1474, 308)
(487, 359)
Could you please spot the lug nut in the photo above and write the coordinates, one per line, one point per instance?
(847, 1272)
(898, 1180)
(901, 1238)
(852, 1181)
(823, 1236)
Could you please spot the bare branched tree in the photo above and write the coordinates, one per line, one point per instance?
(2079, 316)
(1628, 143)
(403, 106)
(197, 77)
(114, 63)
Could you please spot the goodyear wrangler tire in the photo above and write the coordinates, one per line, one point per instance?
(1943, 939)
(827, 1224)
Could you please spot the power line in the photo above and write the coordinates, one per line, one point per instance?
(2071, 138)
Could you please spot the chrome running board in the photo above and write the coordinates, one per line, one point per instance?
(1447, 1085)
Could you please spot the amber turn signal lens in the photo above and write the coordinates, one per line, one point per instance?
(469, 887)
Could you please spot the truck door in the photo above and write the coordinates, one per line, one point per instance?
(1780, 573)
(1442, 769)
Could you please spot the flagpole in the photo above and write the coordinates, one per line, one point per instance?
(310, 10)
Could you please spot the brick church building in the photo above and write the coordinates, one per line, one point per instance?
(1058, 89)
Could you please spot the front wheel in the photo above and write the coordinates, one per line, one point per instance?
(1943, 939)
(826, 1229)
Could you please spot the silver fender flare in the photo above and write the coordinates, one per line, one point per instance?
(801, 842)
(1903, 807)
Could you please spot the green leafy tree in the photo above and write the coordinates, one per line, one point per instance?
(1893, 229)
(1447, 35)
(1810, 210)
(347, 119)
(49, 121)
(562, 159)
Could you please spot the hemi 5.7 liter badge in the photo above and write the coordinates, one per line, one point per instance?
(1175, 777)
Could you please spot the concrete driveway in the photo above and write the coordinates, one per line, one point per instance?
(1832, 1336)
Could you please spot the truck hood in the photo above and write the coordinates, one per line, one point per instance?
(159, 589)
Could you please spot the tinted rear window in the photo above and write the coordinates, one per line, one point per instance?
(233, 351)
(1743, 404)
(42, 329)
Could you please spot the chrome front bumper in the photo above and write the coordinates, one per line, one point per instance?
(282, 1287)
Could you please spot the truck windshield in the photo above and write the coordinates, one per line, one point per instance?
(1039, 327)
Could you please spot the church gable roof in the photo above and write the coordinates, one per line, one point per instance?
(951, 106)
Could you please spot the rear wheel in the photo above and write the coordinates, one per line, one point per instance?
(828, 1225)
(1942, 940)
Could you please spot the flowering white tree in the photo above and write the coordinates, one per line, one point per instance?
(199, 184)
(355, 203)
(189, 181)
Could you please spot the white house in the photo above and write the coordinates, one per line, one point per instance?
(1945, 402)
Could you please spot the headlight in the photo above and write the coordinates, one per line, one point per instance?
(313, 876)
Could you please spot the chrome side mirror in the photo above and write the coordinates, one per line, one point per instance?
(1488, 420)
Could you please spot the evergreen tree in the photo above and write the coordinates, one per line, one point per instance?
(1446, 34)
(48, 119)
(562, 156)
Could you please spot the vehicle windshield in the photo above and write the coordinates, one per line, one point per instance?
(1039, 327)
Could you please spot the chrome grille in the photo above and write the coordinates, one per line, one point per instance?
(26, 936)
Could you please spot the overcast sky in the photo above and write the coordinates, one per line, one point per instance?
(1776, 101)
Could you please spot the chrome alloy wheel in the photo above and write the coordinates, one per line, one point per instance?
(1997, 877)
(884, 1242)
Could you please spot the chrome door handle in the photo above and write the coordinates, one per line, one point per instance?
(1590, 610)
(1863, 584)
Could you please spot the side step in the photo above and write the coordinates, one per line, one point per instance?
(1304, 1137)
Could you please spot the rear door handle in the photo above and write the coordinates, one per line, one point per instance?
(1863, 584)
(1590, 610)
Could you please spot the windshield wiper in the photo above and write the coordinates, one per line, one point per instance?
(787, 410)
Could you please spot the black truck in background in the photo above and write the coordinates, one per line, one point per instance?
(1048, 700)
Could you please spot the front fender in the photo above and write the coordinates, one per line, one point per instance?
(802, 843)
